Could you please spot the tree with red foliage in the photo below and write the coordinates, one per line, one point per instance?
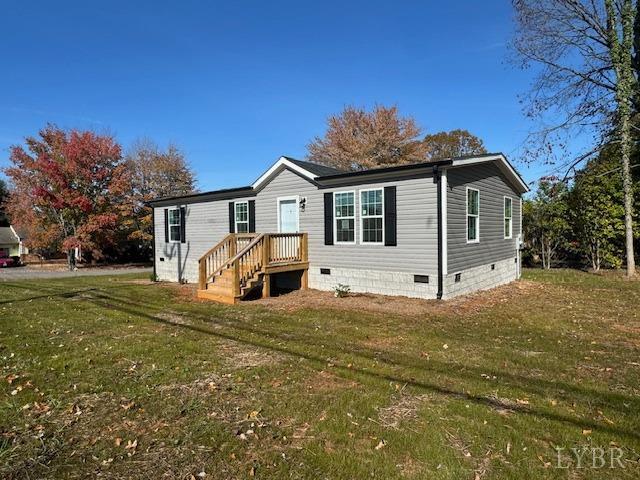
(70, 188)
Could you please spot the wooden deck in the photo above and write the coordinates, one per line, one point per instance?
(240, 263)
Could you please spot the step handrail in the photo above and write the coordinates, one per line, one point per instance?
(231, 243)
(233, 259)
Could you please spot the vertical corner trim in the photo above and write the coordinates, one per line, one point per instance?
(443, 231)
(437, 179)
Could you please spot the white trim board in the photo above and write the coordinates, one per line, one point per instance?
(443, 231)
(503, 164)
(282, 162)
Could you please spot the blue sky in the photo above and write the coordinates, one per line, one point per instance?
(237, 84)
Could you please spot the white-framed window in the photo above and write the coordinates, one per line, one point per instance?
(242, 217)
(372, 216)
(174, 225)
(344, 218)
(508, 217)
(473, 215)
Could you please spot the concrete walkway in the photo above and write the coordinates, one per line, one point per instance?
(26, 273)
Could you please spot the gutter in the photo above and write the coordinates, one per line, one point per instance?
(437, 179)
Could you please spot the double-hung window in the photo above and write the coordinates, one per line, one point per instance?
(345, 219)
(174, 225)
(372, 216)
(508, 217)
(242, 217)
(473, 215)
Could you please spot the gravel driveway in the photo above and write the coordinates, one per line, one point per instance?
(26, 273)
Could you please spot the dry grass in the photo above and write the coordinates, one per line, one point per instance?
(411, 307)
(113, 378)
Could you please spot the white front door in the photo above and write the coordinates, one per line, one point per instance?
(288, 215)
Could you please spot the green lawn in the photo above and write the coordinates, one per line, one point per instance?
(114, 377)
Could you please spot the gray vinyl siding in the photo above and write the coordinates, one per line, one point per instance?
(207, 224)
(416, 208)
(493, 187)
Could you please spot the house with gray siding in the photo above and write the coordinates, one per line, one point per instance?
(431, 230)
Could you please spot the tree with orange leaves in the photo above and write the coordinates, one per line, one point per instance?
(69, 191)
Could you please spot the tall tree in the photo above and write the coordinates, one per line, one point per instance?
(357, 139)
(154, 173)
(455, 143)
(585, 83)
(620, 24)
(69, 190)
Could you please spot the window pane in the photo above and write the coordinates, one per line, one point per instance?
(472, 231)
(345, 230)
(344, 205)
(472, 202)
(371, 202)
(174, 217)
(507, 207)
(174, 233)
(243, 227)
(242, 212)
(372, 230)
(507, 227)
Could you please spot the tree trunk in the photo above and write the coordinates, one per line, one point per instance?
(621, 52)
(625, 138)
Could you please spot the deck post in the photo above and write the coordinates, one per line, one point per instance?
(266, 285)
(202, 275)
(266, 247)
(233, 244)
(304, 256)
(236, 278)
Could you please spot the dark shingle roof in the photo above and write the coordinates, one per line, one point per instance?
(7, 236)
(315, 168)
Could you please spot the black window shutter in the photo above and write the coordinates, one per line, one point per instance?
(328, 218)
(232, 217)
(390, 217)
(252, 216)
(183, 224)
(166, 225)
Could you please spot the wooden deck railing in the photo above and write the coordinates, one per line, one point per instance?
(248, 254)
(214, 260)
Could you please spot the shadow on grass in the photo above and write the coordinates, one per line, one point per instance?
(392, 360)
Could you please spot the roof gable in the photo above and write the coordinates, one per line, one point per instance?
(307, 170)
(503, 164)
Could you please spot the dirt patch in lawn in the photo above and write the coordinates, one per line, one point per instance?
(237, 355)
(383, 304)
(324, 381)
(403, 409)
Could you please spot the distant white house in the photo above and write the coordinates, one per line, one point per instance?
(11, 242)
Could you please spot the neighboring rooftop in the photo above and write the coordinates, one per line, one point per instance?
(7, 237)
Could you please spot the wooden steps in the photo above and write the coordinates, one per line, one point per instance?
(240, 263)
